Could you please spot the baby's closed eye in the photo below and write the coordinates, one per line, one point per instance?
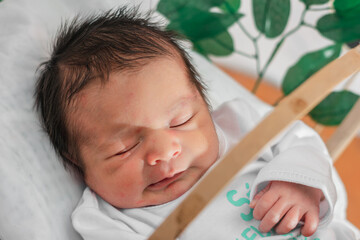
(127, 149)
(181, 121)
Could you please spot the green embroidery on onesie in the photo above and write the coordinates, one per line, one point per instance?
(241, 201)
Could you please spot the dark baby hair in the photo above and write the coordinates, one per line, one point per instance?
(88, 49)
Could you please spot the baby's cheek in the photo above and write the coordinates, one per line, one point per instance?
(197, 143)
(111, 168)
(125, 176)
(125, 191)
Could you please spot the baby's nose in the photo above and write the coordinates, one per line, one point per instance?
(163, 148)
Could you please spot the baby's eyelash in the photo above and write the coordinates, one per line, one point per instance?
(183, 123)
(127, 150)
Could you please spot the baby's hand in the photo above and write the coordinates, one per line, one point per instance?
(284, 204)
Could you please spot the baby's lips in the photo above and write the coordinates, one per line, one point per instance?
(164, 181)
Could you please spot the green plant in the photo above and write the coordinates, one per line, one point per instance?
(206, 22)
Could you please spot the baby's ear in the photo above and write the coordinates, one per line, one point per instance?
(71, 160)
(72, 165)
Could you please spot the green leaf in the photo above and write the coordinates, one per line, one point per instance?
(314, 2)
(220, 45)
(347, 8)
(271, 16)
(197, 24)
(170, 8)
(230, 6)
(334, 108)
(339, 29)
(308, 65)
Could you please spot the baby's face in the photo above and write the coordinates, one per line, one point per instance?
(149, 135)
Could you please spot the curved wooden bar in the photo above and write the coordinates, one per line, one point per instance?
(345, 132)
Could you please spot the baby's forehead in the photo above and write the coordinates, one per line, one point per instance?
(103, 79)
(132, 88)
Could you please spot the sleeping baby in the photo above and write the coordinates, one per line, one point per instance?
(126, 110)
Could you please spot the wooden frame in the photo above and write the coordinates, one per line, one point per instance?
(345, 132)
(291, 108)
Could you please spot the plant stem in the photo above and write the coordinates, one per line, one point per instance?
(257, 56)
(223, 44)
(278, 100)
(245, 31)
(277, 47)
(308, 25)
(254, 40)
(244, 54)
(320, 9)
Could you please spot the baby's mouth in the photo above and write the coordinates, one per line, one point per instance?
(164, 182)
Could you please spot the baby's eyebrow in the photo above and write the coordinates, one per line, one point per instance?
(180, 102)
(123, 132)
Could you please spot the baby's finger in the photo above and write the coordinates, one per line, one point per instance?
(311, 223)
(274, 215)
(264, 204)
(290, 221)
(259, 195)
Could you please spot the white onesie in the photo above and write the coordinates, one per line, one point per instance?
(298, 155)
